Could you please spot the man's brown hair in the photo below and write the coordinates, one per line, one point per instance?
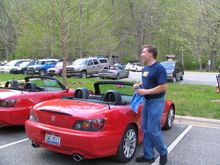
(151, 49)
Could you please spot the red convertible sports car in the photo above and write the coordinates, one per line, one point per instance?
(92, 124)
(16, 99)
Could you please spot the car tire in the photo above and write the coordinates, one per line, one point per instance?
(174, 79)
(127, 75)
(181, 78)
(83, 74)
(61, 74)
(129, 142)
(117, 77)
(25, 72)
(42, 72)
(170, 118)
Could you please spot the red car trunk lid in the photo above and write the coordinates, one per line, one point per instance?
(66, 112)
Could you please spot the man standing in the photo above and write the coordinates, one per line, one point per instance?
(152, 87)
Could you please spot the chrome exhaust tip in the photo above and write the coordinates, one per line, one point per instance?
(35, 145)
(77, 157)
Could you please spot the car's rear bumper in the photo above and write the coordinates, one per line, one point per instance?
(104, 75)
(53, 74)
(16, 71)
(88, 144)
(73, 73)
(170, 77)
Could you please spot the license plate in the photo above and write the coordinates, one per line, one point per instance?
(52, 139)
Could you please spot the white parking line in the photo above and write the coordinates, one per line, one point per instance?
(13, 143)
(175, 142)
(183, 82)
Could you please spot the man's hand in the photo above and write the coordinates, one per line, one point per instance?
(136, 86)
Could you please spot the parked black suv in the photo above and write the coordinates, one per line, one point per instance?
(174, 70)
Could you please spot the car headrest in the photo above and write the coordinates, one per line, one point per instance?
(112, 96)
(30, 86)
(81, 93)
(11, 84)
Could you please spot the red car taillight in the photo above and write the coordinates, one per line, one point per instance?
(33, 116)
(89, 125)
(7, 103)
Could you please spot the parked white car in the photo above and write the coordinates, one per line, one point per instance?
(137, 68)
(134, 67)
(11, 64)
(129, 66)
(56, 70)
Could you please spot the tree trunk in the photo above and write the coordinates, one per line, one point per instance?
(200, 64)
(213, 59)
(63, 41)
(140, 37)
(80, 29)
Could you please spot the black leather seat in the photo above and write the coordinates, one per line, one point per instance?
(30, 86)
(112, 96)
(82, 93)
(11, 84)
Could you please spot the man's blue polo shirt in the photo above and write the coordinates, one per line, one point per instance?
(153, 76)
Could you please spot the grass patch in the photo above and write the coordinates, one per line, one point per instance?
(190, 100)
(195, 100)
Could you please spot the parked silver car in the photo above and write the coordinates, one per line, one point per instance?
(116, 72)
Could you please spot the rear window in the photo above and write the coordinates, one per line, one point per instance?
(103, 61)
(95, 62)
(168, 65)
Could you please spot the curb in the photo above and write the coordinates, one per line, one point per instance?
(197, 121)
(205, 120)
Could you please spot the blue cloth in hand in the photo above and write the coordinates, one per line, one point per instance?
(135, 102)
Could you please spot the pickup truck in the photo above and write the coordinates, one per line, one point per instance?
(87, 66)
(40, 67)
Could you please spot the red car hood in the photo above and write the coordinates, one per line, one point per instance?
(74, 108)
(5, 93)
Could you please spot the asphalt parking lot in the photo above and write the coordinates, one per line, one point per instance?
(187, 145)
(190, 142)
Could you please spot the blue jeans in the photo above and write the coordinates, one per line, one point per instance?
(152, 136)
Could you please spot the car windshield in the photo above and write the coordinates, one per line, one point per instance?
(114, 67)
(59, 64)
(40, 62)
(129, 64)
(47, 84)
(13, 63)
(168, 65)
(122, 89)
(79, 62)
(24, 64)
